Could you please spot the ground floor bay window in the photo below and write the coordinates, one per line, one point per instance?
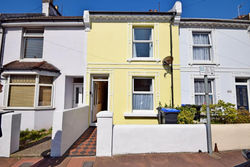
(143, 96)
(29, 91)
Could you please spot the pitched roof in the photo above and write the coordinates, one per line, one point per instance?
(41, 66)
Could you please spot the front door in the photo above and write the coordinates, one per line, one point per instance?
(78, 95)
(242, 96)
(99, 96)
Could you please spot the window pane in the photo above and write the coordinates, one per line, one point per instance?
(142, 102)
(45, 80)
(142, 50)
(201, 53)
(201, 38)
(21, 96)
(199, 86)
(22, 79)
(200, 99)
(45, 96)
(33, 48)
(142, 33)
(143, 85)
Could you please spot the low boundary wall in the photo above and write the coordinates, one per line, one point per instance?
(9, 141)
(68, 126)
(231, 136)
(131, 139)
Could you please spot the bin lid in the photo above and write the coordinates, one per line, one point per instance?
(170, 110)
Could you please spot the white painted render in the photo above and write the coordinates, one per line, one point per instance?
(9, 142)
(230, 52)
(65, 48)
(104, 133)
(68, 126)
(133, 139)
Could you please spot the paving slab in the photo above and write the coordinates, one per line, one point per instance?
(38, 150)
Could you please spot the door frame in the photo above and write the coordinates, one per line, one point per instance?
(242, 84)
(74, 85)
(92, 93)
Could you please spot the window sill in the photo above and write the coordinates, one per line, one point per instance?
(31, 60)
(204, 63)
(143, 60)
(147, 114)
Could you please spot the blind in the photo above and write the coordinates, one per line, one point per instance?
(21, 96)
(45, 96)
(45, 80)
(22, 79)
(33, 47)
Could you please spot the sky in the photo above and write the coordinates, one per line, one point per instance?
(191, 8)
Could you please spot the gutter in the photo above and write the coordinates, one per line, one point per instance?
(46, 24)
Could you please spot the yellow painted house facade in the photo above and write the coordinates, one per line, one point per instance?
(125, 70)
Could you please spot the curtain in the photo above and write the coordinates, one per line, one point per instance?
(201, 39)
(142, 102)
(200, 99)
(201, 53)
(33, 48)
(199, 86)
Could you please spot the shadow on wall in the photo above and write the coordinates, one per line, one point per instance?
(56, 144)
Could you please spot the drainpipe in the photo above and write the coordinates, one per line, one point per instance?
(2, 30)
(171, 67)
(175, 20)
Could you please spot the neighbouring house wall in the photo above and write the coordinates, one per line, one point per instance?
(130, 139)
(65, 48)
(68, 126)
(231, 136)
(230, 50)
(113, 58)
(9, 141)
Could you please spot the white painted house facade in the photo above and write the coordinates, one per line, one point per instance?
(221, 46)
(43, 55)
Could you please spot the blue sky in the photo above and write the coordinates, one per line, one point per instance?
(191, 8)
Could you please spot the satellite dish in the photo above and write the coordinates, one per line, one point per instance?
(167, 60)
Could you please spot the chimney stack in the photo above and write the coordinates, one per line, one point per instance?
(48, 9)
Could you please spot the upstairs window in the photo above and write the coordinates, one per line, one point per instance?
(202, 46)
(33, 43)
(142, 43)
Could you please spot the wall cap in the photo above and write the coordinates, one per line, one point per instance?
(104, 114)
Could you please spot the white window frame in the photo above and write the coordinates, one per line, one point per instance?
(31, 35)
(143, 92)
(142, 41)
(36, 92)
(203, 46)
(203, 94)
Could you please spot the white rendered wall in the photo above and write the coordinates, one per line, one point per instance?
(68, 126)
(130, 139)
(230, 49)
(65, 48)
(9, 142)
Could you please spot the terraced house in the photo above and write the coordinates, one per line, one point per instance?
(43, 59)
(126, 74)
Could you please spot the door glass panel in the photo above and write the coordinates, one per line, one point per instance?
(77, 95)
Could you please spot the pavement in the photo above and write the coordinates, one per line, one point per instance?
(223, 159)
